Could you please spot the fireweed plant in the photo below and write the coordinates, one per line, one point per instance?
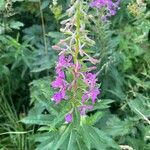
(75, 83)
(64, 122)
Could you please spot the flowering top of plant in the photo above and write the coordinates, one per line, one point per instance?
(75, 84)
(110, 6)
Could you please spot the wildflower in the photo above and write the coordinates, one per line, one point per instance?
(58, 83)
(72, 74)
(110, 6)
(68, 117)
(63, 62)
(83, 109)
(90, 79)
(58, 96)
(93, 93)
(61, 74)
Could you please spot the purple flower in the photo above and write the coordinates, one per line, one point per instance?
(59, 96)
(63, 62)
(93, 93)
(85, 97)
(110, 6)
(73, 76)
(68, 117)
(83, 109)
(61, 74)
(90, 79)
(58, 83)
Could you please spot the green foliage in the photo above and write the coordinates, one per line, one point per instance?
(58, 134)
(28, 29)
(21, 61)
(13, 134)
(125, 76)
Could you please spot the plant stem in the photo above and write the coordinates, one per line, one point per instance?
(75, 56)
(77, 43)
(77, 33)
(43, 28)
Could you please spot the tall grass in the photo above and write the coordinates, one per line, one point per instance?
(13, 134)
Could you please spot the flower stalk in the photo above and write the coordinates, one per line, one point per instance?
(77, 85)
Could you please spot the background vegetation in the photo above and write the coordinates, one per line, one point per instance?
(28, 29)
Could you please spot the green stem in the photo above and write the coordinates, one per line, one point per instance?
(43, 28)
(75, 56)
(77, 33)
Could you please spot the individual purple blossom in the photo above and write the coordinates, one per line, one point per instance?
(68, 117)
(58, 96)
(85, 97)
(63, 62)
(90, 79)
(83, 109)
(91, 94)
(61, 74)
(58, 83)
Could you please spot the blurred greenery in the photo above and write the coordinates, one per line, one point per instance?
(28, 29)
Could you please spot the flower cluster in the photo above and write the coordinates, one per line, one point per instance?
(90, 80)
(110, 6)
(82, 90)
(60, 82)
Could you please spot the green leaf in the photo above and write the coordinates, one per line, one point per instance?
(103, 104)
(71, 141)
(56, 35)
(57, 120)
(2, 5)
(76, 119)
(140, 106)
(16, 25)
(45, 145)
(96, 142)
(42, 137)
(79, 145)
(97, 138)
(45, 4)
(42, 63)
(33, 0)
(56, 145)
(38, 119)
(116, 127)
(91, 120)
(85, 137)
(17, 0)
(106, 139)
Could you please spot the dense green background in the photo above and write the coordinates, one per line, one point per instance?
(28, 29)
